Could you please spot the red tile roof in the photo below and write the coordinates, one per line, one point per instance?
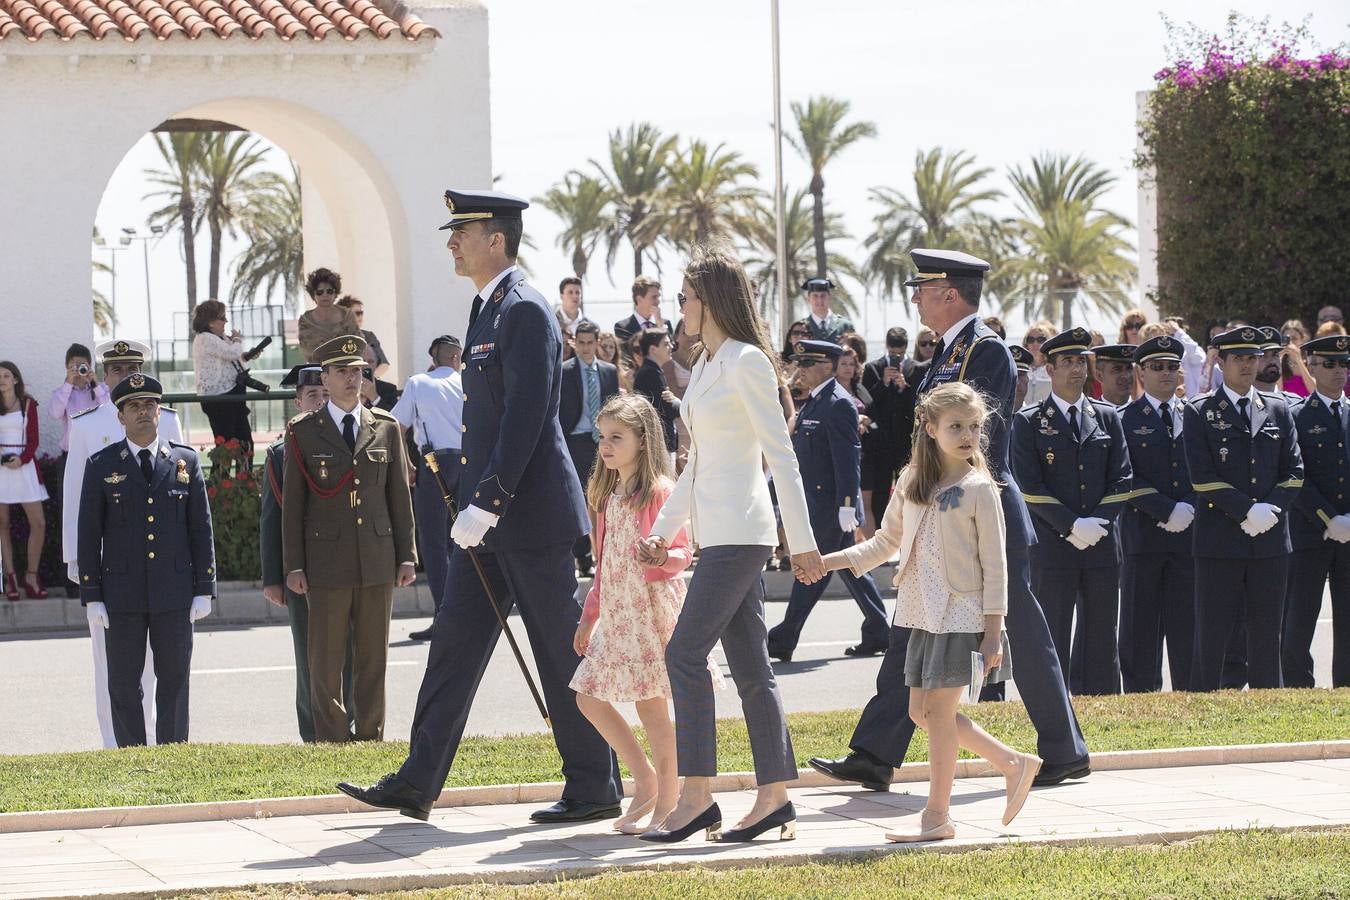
(178, 20)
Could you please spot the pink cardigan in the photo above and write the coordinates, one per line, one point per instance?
(679, 557)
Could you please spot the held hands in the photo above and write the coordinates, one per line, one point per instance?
(1089, 530)
(201, 608)
(1260, 518)
(1183, 514)
(297, 582)
(848, 519)
(407, 574)
(652, 551)
(97, 614)
(808, 567)
(1339, 529)
(582, 639)
(472, 526)
(274, 595)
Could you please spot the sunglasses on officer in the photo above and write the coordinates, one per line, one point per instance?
(1163, 366)
(1336, 363)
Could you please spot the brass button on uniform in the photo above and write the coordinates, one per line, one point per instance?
(149, 537)
(358, 520)
(149, 518)
(356, 481)
(496, 503)
(464, 461)
(464, 428)
(150, 500)
(151, 554)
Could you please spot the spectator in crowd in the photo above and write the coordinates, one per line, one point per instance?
(432, 407)
(327, 320)
(850, 376)
(822, 322)
(678, 372)
(797, 331)
(20, 481)
(607, 348)
(587, 384)
(1131, 324)
(891, 381)
(1115, 369)
(1038, 379)
(218, 359)
(646, 310)
(1192, 358)
(375, 357)
(995, 325)
(1022, 360)
(569, 311)
(925, 342)
(1297, 378)
(1330, 314)
(650, 355)
(80, 391)
(1330, 327)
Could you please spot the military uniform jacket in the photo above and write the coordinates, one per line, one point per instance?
(1064, 480)
(145, 548)
(346, 518)
(979, 357)
(269, 519)
(1160, 479)
(1231, 469)
(515, 463)
(825, 440)
(1326, 465)
(835, 325)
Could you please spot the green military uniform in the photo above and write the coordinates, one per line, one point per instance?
(347, 523)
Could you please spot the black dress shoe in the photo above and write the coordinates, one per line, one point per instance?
(1054, 773)
(780, 654)
(710, 819)
(390, 792)
(576, 811)
(784, 818)
(423, 635)
(855, 768)
(865, 649)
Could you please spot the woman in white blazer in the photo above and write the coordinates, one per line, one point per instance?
(732, 412)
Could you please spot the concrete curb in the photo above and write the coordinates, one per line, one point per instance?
(549, 791)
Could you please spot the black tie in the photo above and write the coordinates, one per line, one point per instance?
(475, 309)
(349, 431)
(1073, 422)
(1242, 414)
(1165, 410)
(1336, 414)
(147, 467)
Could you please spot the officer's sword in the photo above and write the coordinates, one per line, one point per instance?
(435, 468)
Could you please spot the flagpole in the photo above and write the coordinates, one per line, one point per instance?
(780, 223)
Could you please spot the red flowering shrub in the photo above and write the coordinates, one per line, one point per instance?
(233, 491)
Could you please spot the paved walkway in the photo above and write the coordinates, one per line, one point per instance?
(386, 851)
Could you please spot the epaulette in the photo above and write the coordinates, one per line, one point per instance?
(1106, 404)
(1201, 398)
(84, 412)
(181, 446)
(299, 418)
(382, 414)
(168, 409)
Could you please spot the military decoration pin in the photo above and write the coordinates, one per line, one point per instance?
(183, 472)
(1049, 457)
(1223, 454)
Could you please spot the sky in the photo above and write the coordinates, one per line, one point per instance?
(1002, 79)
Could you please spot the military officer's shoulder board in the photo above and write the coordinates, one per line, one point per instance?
(84, 412)
(179, 446)
(296, 420)
(382, 414)
(168, 409)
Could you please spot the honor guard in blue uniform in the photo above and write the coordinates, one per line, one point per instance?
(1319, 526)
(147, 561)
(1157, 572)
(825, 440)
(1070, 459)
(519, 498)
(947, 293)
(822, 322)
(1245, 466)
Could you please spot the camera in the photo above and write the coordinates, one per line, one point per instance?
(244, 380)
(7, 457)
(82, 369)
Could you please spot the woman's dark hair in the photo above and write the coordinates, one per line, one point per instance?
(20, 396)
(347, 301)
(78, 351)
(851, 340)
(787, 339)
(206, 312)
(322, 276)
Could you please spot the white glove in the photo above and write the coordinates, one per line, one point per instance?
(1339, 529)
(96, 613)
(201, 608)
(1260, 518)
(73, 571)
(471, 525)
(1183, 514)
(848, 519)
(1077, 541)
(1089, 530)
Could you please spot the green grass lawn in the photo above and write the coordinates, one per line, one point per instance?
(186, 773)
(1229, 864)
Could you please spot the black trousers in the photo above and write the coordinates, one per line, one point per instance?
(229, 419)
(1307, 580)
(1229, 592)
(170, 635)
(1157, 603)
(582, 449)
(1059, 591)
(433, 518)
(875, 629)
(542, 581)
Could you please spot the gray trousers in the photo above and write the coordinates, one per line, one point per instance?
(726, 602)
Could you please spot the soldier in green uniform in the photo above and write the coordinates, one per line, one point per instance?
(347, 539)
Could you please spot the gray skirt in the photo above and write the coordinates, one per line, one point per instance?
(943, 660)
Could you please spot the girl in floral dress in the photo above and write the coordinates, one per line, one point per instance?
(631, 609)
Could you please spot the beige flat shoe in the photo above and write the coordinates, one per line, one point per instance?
(1017, 794)
(628, 822)
(944, 832)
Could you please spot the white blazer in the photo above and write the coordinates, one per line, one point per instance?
(735, 421)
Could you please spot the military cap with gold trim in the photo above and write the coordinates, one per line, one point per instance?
(136, 386)
(1160, 347)
(1022, 357)
(816, 351)
(303, 375)
(122, 350)
(343, 350)
(1332, 346)
(1074, 342)
(1123, 353)
(932, 265)
(1271, 338)
(1245, 341)
(474, 206)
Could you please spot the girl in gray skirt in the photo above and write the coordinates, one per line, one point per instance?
(945, 522)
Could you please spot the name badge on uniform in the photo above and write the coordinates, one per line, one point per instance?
(804, 423)
(183, 477)
(481, 351)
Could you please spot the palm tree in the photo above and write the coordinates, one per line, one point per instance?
(182, 152)
(579, 201)
(103, 311)
(707, 196)
(271, 221)
(944, 212)
(227, 175)
(761, 262)
(634, 181)
(821, 137)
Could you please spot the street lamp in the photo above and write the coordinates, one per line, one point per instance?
(102, 244)
(129, 235)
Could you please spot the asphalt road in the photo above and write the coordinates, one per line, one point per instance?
(243, 685)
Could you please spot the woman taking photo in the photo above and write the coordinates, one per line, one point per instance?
(723, 497)
(326, 320)
(19, 479)
(218, 359)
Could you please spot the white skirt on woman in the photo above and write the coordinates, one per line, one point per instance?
(19, 485)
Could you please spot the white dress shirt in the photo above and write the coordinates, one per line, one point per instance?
(1250, 396)
(486, 292)
(1064, 406)
(337, 413)
(432, 405)
(1173, 406)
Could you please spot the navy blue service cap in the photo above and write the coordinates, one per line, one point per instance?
(473, 206)
(1160, 347)
(136, 386)
(303, 375)
(817, 284)
(1022, 357)
(1245, 341)
(1272, 338)
(816, 351)
(932, 265)
(1074, 342)
(1123, 353)
(1333, 346)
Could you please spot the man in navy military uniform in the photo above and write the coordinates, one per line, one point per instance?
(1242, 450)
(520, 498)
(147, 561)
(1157, 573)
(822, 322)
(1023, 359)
(947, 293)
(1319, 526)
(825, 440)
(1070, 459)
